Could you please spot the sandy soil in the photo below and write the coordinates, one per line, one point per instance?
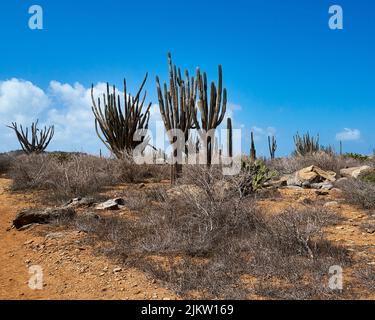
(72, 271)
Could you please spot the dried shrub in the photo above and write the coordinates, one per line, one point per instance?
(322, 160)
(5, 162)
(64, 176)
(358, 192)
(206, 239)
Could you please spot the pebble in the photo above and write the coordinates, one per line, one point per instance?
(115, 270)
(28, 242)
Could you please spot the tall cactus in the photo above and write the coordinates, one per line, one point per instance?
(306, 144)
(212, 109)
(272, 146)
(230, 137)
(176, 108)
(40, 139)
(116, 125)
(253, 153)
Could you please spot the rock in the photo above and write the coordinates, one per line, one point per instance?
(112, 204)
(327, 186)
(191, 190)
(293, 187)
(306, 177)
(45, 216)
(116, 270)
(354, 172)
(305, 200)
(55, 235)
(80, 202)
(331, 204)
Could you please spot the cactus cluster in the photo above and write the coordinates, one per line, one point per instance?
(306, 144)
(176, 107)
(39, 141)
(117, 126)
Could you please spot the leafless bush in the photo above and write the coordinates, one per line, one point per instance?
(322, 160)
(208, 239)
(64, 176)
(5, 162)
(359, 192)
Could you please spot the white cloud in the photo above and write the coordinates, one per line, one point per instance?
(21, 102)
(348, 135)
(66, 106)
(261, 133)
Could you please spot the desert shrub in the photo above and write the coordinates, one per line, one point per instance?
(322, 160)
(206, 235)
(5, 162)
(368, 176)
(356, 156)
(64, 176)
(78, 176)
(359, 192)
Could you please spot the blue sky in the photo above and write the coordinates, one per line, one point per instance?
(284, 69)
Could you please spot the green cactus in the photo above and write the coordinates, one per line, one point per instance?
(255, 175)
(176, 108)
(118, 126)
(40, 139)
(212, 109)
(306, 144)
(230, 137)
(272, 146)
(253, 153)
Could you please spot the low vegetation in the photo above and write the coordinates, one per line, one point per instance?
(359, 192)
(204, 238)
(64, 176)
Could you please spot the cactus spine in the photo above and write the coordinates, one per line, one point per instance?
(118, 127)
(38, 143)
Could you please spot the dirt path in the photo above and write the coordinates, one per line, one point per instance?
(70, 269)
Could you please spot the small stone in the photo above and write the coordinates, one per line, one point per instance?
(372, 263)
(28, 242)
(340, 228)
(331, 204)
(166, 298)
(115, 270)
(102, 274)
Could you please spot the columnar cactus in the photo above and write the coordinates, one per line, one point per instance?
(272, 146)
(306, 145)
(118, 126)
(253, 154)
(176, 107)
(230, 137)
(40, 139)
(212, 109)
